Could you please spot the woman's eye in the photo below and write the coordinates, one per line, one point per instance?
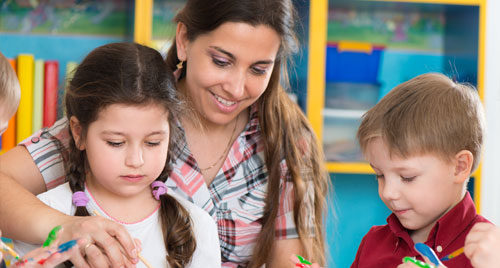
(114, 144)
(258, 71)
(220, 63)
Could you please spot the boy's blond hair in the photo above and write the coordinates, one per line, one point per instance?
(427, 114)
(10, 91)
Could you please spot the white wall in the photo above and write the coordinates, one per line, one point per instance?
(490, 192)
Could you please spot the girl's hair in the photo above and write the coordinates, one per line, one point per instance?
(285, 129)
(130, 74)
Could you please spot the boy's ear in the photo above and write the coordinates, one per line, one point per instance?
(181, 41)
(76, 131)
(463, 165)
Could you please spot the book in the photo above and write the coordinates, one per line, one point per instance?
(25, 67)
(9, 136)
(50, 96)
(38, 93)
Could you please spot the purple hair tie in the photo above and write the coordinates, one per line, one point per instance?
(80, 199)
(161, 189)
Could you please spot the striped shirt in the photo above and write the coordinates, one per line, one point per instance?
(235, 198)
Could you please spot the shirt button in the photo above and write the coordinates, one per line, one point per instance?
(439, 248)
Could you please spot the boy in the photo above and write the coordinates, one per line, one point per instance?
(423, 140)
(10, 93)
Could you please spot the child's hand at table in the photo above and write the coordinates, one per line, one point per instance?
(482, 245)
(298, 264)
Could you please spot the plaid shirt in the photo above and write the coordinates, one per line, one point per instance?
(235, 198)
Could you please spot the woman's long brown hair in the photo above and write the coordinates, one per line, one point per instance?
(131, 74)
(286, 131)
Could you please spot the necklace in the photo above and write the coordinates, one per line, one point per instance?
(225, 150)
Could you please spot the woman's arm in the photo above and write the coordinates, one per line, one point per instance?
(18, 165)
(24, 217)
(281, 252)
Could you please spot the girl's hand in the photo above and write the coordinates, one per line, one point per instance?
(482, 245)
(297, 263)
(108, 243)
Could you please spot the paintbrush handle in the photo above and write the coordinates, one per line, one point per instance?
(9, 250)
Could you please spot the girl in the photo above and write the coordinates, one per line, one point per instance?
(120, 106)
(246, 153)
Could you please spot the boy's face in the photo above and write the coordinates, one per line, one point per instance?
(6, 113)
(417, 189)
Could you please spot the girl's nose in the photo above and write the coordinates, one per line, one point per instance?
(134, 157)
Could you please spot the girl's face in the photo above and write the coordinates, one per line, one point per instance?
(126, 148)
(228, 68)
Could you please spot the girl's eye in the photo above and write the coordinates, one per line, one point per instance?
(258, 71)
(114, 144)
(408, 179)
(152, 144)
(219, 62)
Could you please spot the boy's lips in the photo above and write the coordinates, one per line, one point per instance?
(400, 211)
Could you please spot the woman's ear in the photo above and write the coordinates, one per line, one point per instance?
(463, 165)
(181, 41)
(76, 131)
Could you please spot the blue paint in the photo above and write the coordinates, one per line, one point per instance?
(66, 246)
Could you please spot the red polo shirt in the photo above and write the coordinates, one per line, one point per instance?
(387, 245)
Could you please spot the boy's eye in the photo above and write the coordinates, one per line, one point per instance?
(379, 176)
(114, 144)
(219, 62)
(408, 179)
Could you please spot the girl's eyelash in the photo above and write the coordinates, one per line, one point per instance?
(114, 144)
(156, 143)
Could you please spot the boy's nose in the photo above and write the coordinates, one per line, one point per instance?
(389, 190)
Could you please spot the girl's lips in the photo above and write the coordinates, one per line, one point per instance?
(133, 178)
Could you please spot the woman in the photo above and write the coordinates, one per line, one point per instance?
(247, 153)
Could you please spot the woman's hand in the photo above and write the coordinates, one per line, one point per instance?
(108, 243)
(482, 245)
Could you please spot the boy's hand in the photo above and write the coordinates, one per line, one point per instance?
(296, 261)
(482, 245)
(412, 265)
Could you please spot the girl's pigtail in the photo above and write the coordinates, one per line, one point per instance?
(180, 241)
(75, 174)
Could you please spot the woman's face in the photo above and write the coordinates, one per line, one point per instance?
(228, 68)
